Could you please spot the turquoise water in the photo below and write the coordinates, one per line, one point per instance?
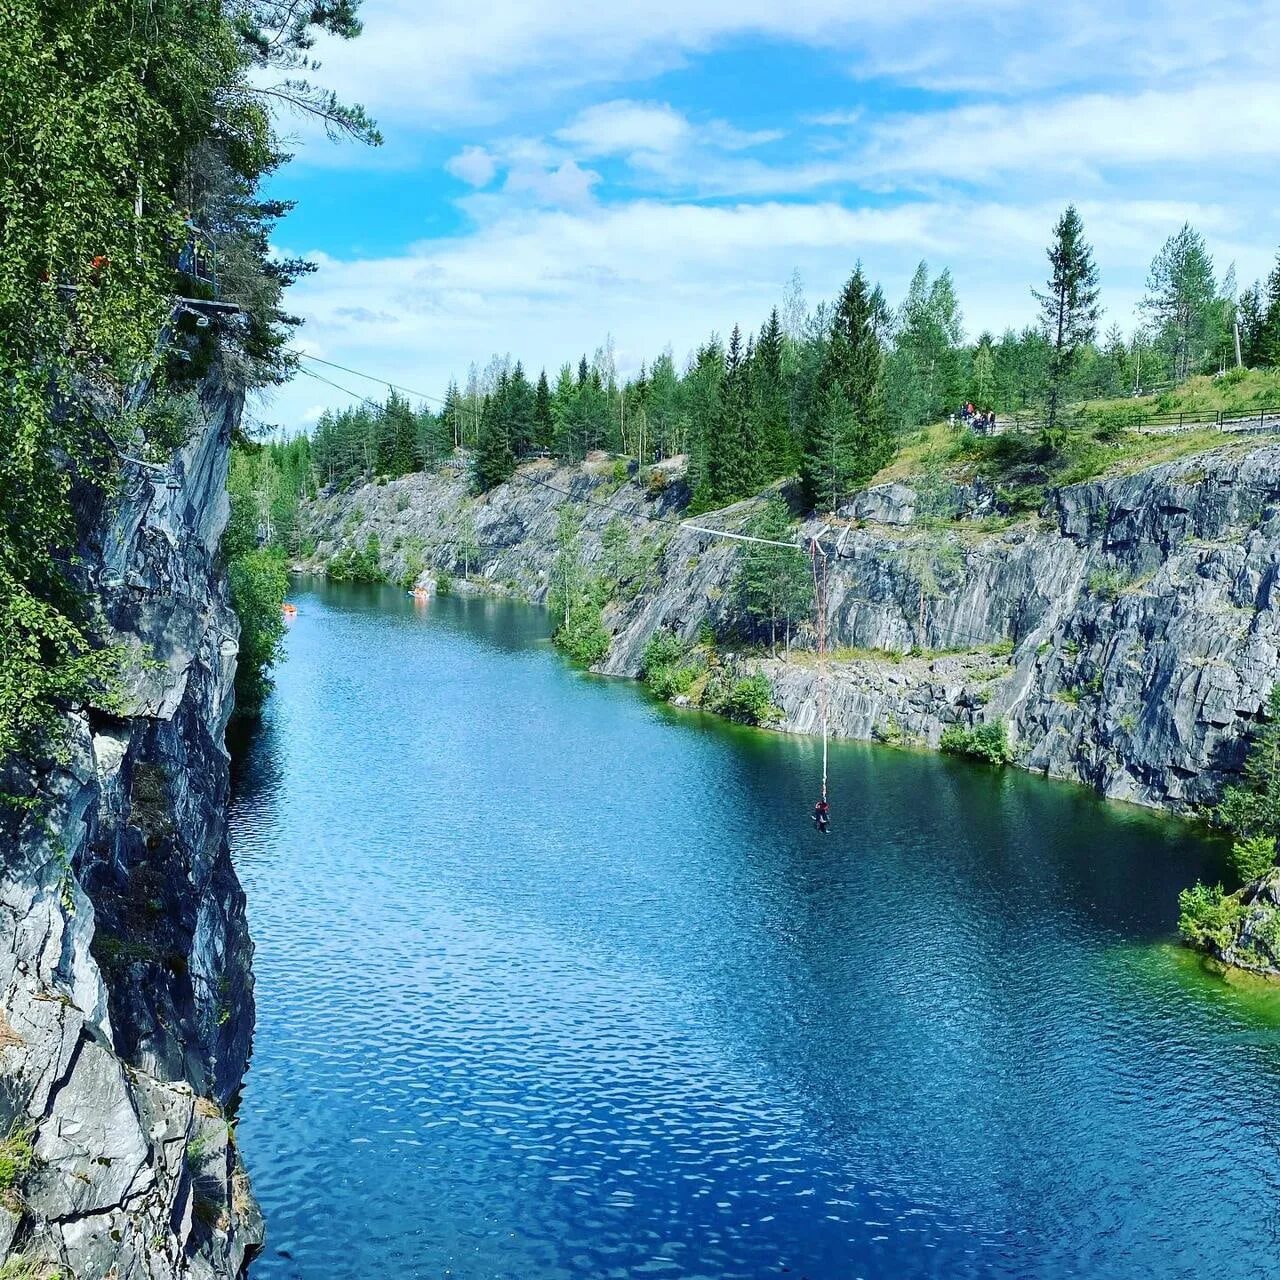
(555, 982)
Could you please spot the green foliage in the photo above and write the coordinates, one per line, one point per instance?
(259, 583)
(1181, 303)
(358, 565)
(773, 585)
(127, 137)
(1253, 808)
(988, 742)
(847, 438)
(1107, 584)
(924, 371)
(1068, 307)
(668, 668)
(576, 599)
(1252, 857)
(444, 582)
(747, 699)
(17, 1157)
(1207, 916)
(414, 565)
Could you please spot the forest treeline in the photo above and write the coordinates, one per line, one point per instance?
(826, 393)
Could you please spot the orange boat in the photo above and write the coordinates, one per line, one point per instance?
(289, 610)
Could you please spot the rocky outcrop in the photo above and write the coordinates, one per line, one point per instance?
(1245, 933)
(124, 955)
(1128, 634)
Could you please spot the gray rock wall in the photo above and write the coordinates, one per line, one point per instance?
(124, 955)
(1128, 634)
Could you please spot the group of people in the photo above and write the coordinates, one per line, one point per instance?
(978, 419)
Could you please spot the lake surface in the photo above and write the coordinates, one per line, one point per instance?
(556, 982)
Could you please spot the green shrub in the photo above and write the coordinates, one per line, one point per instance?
(1207, 915)
(663, 650)
(259, 582)
(444, 582)
(582, 636)
(365, 565)
(666, 667)
(988, 742)
(414, 564)
(1107, 584)
(746, 700)
(1252, 857)
(17, 1156)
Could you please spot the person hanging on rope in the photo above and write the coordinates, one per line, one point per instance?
(822, 815)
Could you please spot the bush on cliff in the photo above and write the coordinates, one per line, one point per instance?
(988, 742)
(1252, 857)
(1253, 809)
(1207, 915)
(363, 565)
(667, 668)
(748, 699)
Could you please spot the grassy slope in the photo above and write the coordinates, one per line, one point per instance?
(1018, 464)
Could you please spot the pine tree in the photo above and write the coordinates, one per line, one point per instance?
(1180, 301)
(1069, 307)
(543, 423)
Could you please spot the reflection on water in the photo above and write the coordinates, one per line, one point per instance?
(554, 982)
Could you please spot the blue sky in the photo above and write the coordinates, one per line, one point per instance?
(555, 173)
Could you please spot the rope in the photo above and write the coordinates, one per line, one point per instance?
(820, 605)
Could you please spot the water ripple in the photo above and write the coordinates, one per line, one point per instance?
(553, 983)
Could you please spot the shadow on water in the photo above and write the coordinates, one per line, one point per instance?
(554, 981)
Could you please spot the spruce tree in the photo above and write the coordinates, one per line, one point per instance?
(543, 423)
(730, 464)
(566, 434)
(1068, 307)
(1268, 340)
(771, 418)
(982, 383)
(520, 412)
(494, 462)
(847, 437)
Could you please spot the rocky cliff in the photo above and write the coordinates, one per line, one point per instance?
(124, 955)
(1127, 634)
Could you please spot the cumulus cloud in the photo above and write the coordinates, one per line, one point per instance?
(474, 165)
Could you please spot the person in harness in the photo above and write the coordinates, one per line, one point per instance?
(822, 815)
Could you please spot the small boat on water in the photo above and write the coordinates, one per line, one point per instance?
(421, 593)
(289, 610)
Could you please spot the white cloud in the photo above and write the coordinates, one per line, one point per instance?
(565, 185)
(621, 127)
(1223, 123)
(474, 165)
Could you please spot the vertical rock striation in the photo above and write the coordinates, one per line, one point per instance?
(124, 953)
